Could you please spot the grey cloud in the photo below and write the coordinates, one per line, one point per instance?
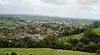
(57, 2)
(63, 2)
(86, 2)
(66, 8)
(14, 6)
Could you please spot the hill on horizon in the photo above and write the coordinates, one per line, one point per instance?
(41, 17)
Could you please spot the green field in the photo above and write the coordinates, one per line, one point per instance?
(96, 30)
(83, 23)
(42, 51)
(8, 24)
(67, 38)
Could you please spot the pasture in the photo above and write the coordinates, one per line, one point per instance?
(41, 51)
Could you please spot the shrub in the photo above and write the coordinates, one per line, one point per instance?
(13, 53)
(98, 51)
(79, 46)
(98, 45)
(91, 47)
(96, 24)
(7, 53)
(30, 54)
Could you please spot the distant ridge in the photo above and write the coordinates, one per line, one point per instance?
(41, 17)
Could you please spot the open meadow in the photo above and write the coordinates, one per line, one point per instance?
(42, 51)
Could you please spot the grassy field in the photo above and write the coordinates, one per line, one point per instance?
(67, 38)
(8, 24)
(96, 30)
(42, 51)
(83, 23)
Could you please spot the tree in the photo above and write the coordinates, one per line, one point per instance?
(91, 47)
(74, 41)
(98, 52)
(80, 46)
(96, 24)
(98, 45)
(91, 36)
(85, 40)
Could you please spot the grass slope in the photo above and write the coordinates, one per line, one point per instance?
(96, 30)
(42, 51)
(78, 37)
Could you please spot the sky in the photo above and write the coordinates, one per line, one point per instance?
(64, 8)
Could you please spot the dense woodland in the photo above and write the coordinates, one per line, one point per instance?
(18, 33)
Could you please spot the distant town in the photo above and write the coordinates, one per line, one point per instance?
(77, 35)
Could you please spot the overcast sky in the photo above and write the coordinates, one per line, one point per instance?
(64, 8)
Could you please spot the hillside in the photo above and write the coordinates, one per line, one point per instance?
(22, 33)
(68, 38)
(96, 30)
(10, 22)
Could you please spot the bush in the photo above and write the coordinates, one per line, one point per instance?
(74, 41)
(91, 47)
(98, 45)
(74, 48)
(91, 35)
(13, 53)
(79, 46)
(30, 54)
(98, 51)
(84, 40)
(96, 24)
(7, 53)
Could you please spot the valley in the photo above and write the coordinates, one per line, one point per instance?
(22, 35)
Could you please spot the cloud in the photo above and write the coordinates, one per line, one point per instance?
(66, 8)
(85, 2)
(57, 2)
